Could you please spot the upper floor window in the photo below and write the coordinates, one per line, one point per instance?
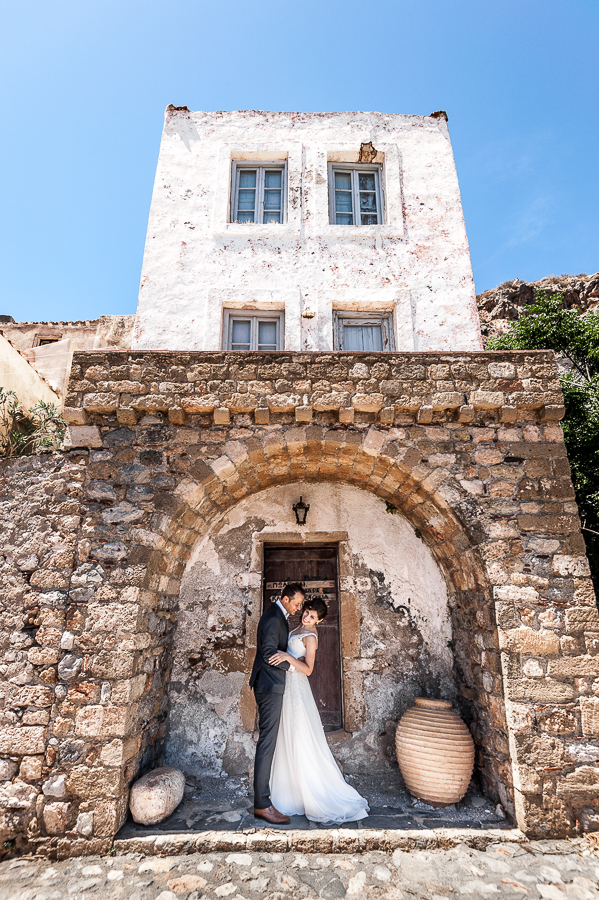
(363, 332)
(355, 195)
(258, 192)
(252, 331)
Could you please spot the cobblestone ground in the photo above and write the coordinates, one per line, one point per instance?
(556, 870)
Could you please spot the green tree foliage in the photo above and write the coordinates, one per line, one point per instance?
(547, 325)
(22, 431)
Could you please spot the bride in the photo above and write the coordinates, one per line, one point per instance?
(305, 779)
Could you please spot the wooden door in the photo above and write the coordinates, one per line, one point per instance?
(315, 567)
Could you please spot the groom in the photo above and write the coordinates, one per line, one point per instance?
(268, 683)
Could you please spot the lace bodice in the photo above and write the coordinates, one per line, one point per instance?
(296, 646)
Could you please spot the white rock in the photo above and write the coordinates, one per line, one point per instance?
(356, 885)
(156, 795)
(85, 826)
(55, 786)
(381, 873)
(239, 859)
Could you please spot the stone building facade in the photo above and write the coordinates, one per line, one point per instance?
(127, 607)
(442, 526)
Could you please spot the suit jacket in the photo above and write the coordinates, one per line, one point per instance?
(273, 634)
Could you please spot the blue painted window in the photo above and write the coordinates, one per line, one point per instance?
(258, 193)
(355, 196)
(253, 331)
(363, 332)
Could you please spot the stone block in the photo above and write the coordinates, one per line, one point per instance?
(29, 695)
(117, 752)
(387, 415)
(589, 819)
(104, 404)
(83, 436)
(109, 815)
(303, 414)
(486, 399)
(31, 768)
(74, 416)
(262, 415)
(156, 795)
(572, 666)
(424, 416)
(446, 400)
(527, 640)
(323, 402)
(56, 817)
(22, 741)
(85, 824)
(578, 566)
(177, 416)
(466, 414)
(102, 721)
(373, 442)
(203, 405)
(541, 691)
(371, 403)
(589, 711)
(151, 403)
(553, 413)
(346, 415)
(94, 783)
(508, 414)
(55, 786)
(222, 416)
(283, 403)
(582, 619)
(527, 780)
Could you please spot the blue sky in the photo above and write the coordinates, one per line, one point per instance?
(83, 87)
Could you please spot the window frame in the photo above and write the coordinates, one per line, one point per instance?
(254, 316)
(383, 318)
(354, 170)
(261, 167)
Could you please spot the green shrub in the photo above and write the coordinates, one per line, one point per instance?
(547, 325)
(23, 432)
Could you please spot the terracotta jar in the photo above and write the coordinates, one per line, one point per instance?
(435, 752)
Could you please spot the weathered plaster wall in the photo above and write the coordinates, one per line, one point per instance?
(197, 262)
(394, 621)
(17, 375)
(52, 361)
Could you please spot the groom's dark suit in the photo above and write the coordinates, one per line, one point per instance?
(268, 683)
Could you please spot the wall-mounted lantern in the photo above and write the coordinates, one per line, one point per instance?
(301, 511)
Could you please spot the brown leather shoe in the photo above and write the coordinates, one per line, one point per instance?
(272, 815)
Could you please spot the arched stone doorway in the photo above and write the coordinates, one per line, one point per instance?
(395, 628)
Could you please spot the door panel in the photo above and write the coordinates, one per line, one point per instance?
(315, 567)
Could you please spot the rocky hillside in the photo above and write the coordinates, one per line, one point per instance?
(501, 305)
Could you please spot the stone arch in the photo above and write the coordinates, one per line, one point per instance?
(443, 512)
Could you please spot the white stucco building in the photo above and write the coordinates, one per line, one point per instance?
(306, 231)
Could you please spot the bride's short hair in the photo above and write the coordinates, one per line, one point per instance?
(316, 604)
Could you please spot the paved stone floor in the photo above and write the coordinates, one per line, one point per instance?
(555, 870)
(225, 804)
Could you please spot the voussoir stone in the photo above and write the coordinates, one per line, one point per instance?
(156, 795)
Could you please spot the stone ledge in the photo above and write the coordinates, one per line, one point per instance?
(317, 841)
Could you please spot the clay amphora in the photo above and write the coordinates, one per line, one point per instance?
(435, 752)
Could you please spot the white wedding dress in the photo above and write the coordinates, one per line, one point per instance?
(305, 779)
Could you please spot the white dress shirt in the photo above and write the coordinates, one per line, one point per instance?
(282, 608)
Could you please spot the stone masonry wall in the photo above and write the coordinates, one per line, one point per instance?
(468, 448)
